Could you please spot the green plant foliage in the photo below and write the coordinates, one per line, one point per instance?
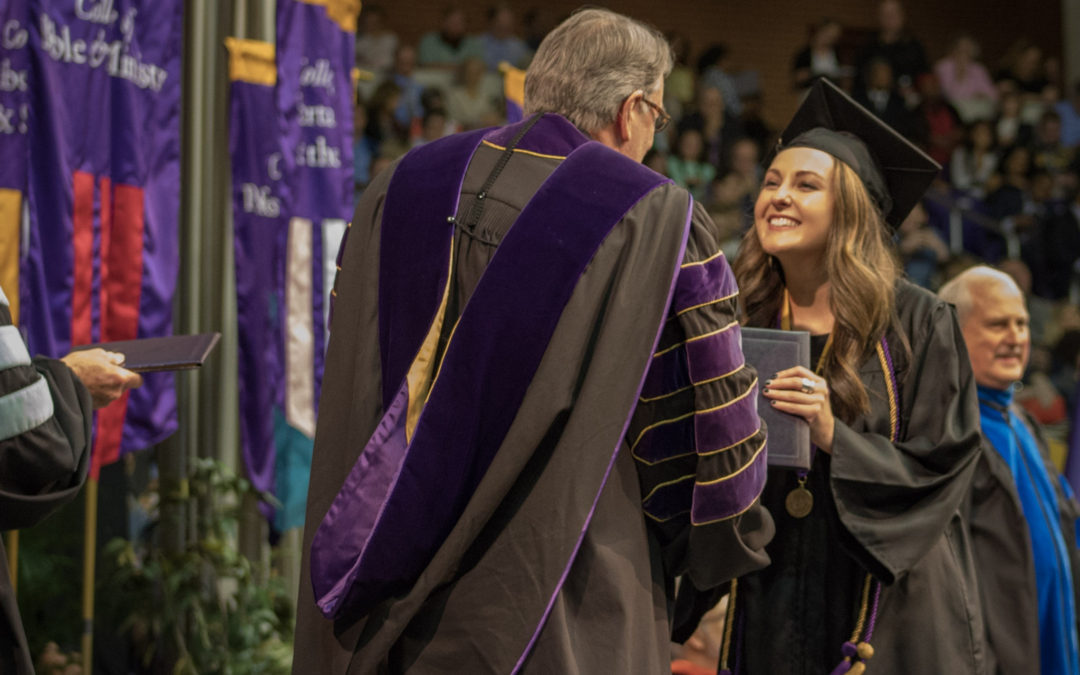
(204, 609)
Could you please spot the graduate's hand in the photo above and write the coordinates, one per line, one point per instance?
(787, 393)
(102, 374)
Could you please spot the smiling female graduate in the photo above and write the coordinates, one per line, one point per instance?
(869, 545)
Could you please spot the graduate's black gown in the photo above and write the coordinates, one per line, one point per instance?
(893, 509)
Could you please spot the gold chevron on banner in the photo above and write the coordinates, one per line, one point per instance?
(341, 12)
(251, 61)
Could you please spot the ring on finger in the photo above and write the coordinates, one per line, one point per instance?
(808, 385)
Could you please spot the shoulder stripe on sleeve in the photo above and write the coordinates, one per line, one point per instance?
(718, 331)
(730, 495)
(700, 284)
(12, 348)
(25, 409)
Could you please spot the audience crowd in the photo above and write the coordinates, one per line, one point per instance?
(1005, 128)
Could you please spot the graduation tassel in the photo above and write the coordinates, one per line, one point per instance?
(857, 653)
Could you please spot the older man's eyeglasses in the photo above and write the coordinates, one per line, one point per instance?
(662, 118)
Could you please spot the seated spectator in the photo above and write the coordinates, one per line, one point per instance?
(449, 46)
(1049, 154)
(922, 249)
(385, 136)
(895, 45)
(376, 45)
(436, 124)
(501, 42)
(409, 108)
(1053, 251)
(687, 166)
(819, 57)
(936, 123)
(966, 82)
(714, 71)
(881, 96)
(468, 103)
(1069, 112)
(679, 88)
(1023, 69)
(719, 128)
(753, 124)
(975, 161)
(362, 146)
(1009, 127)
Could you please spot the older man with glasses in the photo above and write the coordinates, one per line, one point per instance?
(535, 413)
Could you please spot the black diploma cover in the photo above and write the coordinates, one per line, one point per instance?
(174, 352)
(769, 351)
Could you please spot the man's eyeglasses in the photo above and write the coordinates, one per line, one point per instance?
(662, 118)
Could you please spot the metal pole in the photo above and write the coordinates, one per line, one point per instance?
(13, 559)
(89, 549)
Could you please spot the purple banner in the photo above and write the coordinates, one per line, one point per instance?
(14, 117)
(259, 236)
(14, 96)
(314, 101)
(104, 139)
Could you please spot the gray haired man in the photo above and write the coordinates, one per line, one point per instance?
(535, 413)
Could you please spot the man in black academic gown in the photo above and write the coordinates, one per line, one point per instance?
(535, 413)
(45, 422)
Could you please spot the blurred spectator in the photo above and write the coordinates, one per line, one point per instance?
(501, 42)
(753, 124)
(896, 46)
(1054, 250)
(921, 248)
(718, 127)
(974, 163)
(385, 136)
(435, 125)
(409, 108)
(819, 57)
(656, 160)
(468, 103)
(1049, 154)
(1023, 65)
(1069, 112)
(936, 123)
(449, 46)
(966, 82)
(713, 71)
(376, 45)
(1010, 128)
(881, 96)
(688, 168)
(362, 147)
(679, 87)
(1022, 69)
(731, 197)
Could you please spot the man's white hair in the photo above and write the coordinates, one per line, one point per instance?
(587, 66)
(958, 291)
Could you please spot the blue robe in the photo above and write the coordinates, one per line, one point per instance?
(1043, 496)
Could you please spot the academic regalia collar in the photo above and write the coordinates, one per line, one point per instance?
(552, 135)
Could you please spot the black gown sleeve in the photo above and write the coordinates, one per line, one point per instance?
(44, 466)
(895, 499)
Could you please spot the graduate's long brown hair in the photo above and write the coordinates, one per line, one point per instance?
(863, 271)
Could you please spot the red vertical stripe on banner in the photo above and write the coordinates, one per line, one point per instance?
(121, 286)
(105, 190)
(83, 257)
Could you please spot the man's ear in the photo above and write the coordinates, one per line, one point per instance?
(623, 128)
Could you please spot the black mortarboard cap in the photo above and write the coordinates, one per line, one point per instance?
(895, 172)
